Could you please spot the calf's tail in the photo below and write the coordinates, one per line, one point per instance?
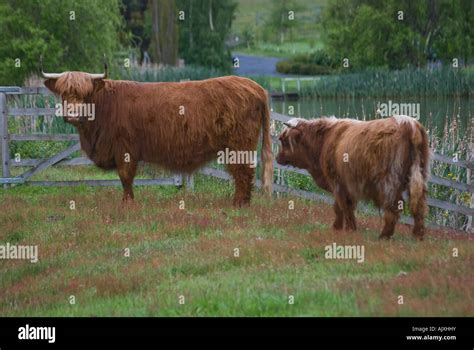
(418, 176)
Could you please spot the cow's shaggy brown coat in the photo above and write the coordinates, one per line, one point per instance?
(354, 160)
(180, 126)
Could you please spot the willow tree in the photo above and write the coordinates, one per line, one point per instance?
(164, 32)
(204, 26)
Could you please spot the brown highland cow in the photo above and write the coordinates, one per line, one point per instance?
(179, 126)
(363, 160)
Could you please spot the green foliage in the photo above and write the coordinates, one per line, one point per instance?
(203, 32)
(381, 82)
(315, 63)
(161, 29)
(168, 73)
(373, 33)
(248, 37)
(31, 28)
(283, 20)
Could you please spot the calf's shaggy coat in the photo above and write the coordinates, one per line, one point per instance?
(354, 160)
(179, 126)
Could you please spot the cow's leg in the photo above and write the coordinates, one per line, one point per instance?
(339, 222)
(390, 218)
(126, 172)
(349, 215)
(243, 176)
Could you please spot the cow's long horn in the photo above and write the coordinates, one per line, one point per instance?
(103, 75)
(48, 75)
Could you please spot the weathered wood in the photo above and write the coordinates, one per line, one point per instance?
(178, 180)
(448, 160)
(189, 180)
(279, 117)
(31, 111)
(16, 90)
(63, 162)
(5, 155)
(11, 180)
(290, 168)
(470, 176)
(137, 182)
(52, 160)
(432, 202)
(450, 183)
(44, 137)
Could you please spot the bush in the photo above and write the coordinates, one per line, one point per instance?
(315, 63)
(287, 67)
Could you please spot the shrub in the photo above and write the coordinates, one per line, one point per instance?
(315, 63)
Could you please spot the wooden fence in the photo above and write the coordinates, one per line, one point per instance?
(60, 158)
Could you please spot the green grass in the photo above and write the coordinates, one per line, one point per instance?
(382, 83)
(190, 252)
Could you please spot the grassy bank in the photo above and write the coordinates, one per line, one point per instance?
(191, 253)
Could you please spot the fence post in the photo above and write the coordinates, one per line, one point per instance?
(178, 180)
(190, 182)
(4, 137)
(470, 175)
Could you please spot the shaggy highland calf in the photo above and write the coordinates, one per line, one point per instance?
(354, 160)
(179, 126)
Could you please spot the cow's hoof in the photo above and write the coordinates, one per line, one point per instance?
(129, 203)
(385, 237)
(240, 203)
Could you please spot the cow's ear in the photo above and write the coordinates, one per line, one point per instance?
(51, 85)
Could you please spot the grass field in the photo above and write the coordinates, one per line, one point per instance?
(305, 36)
(191, 253)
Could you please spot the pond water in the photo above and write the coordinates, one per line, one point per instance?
(439, 110)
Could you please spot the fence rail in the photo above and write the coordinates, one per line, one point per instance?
(60, 159)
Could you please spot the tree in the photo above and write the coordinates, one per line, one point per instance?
(204, 30)
(134, 13)
(164, 33)
(397, 33)
(70, 36)
(283, 17)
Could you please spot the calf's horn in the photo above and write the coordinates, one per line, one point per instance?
(292, 122)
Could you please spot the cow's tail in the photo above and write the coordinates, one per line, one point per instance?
(266, 154)
(418, 176)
